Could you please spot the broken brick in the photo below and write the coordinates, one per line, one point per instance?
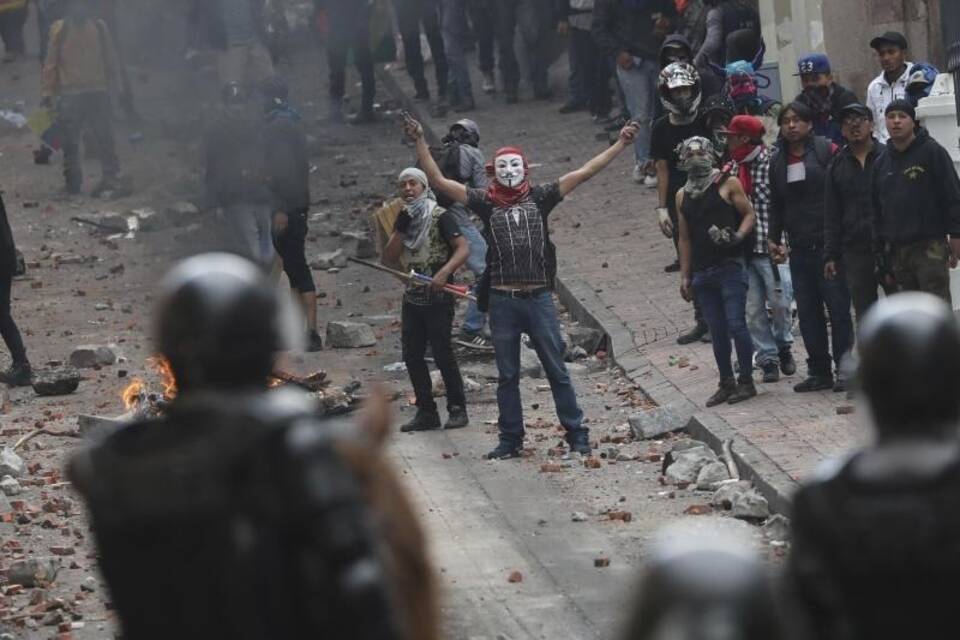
(698, 510)
(62, 551)
(550, 467)
(622, 516)
(591, 463)
(601, 561)
(515, 577)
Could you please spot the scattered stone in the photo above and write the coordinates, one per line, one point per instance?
(624, 457)
(622, 516)
(487, 372)
(515, 577)
(550, 467)
(530, 366)
(11, 464)
(710, 475)
(113, 221)
(584, 337)
(577, 353)
(750, 505)
(471, 386)
(601, 562)
(845, 410)
(182, 213)
(89, 584)
(395, 367)
(62, 551)
(360, 244)
(89, 356)
(10, 486)
(777, 528)
(592, 463)
(579, 516)
(653, 423)
(723, 498)
(698, 510)
(332, 260)
(687, 464)
(59, 381)
(33, 572)
(350, 335)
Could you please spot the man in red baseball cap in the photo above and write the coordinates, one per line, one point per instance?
(769, 284)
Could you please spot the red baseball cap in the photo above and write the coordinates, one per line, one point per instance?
(746, 126)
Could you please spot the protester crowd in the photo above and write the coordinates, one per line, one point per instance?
(820, 204)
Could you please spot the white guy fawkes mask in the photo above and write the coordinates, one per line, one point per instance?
(509, 170)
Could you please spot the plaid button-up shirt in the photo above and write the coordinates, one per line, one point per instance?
(760, 198)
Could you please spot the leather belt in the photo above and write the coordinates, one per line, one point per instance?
(519, 294)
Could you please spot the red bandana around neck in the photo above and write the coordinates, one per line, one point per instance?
(502, 195)
(744, 156)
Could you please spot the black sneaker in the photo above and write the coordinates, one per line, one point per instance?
(18, 375)
(839, 385)
(476, 341)
(744, 391)
(422, 91)
(673, 267)
(572, 107)
(787, 364)
(423, 421)
(457, 418)
(723, 393)
(583, 448)
(706, 338)
(694, 334)
(314, 342)
(815, 383)
(771, 372)
(504, 452)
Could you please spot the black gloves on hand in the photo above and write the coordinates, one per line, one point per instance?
(403, 222)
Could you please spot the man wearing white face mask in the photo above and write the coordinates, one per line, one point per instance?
(518, 284)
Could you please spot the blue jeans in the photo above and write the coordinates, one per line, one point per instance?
(722, 293)
(251, 227)
(639, 84)
(769, 339)
(474, 320)
(456, 33)
(536, 317)
(813, 292)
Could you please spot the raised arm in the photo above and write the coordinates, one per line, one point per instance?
(574, 179)
(450, 188)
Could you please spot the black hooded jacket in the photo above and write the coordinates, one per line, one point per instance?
(916, 193)
(828, 125)
(618, 27)
(848, 204)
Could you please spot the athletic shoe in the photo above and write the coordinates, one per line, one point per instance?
(771, 372)
(787, 364)
(694, 334)
(583, 448)
(504, 452)
(639, 176)
(744, 391)
(673, 267)
(457, 418)
(650, 181)
(18, 375)
(815, 383)
(314, 342)
(476, 341)
(723, 392)
(423, 421)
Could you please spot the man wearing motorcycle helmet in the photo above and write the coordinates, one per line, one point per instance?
(678, 87)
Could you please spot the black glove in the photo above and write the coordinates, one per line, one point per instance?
(402, 222)
(725, 237)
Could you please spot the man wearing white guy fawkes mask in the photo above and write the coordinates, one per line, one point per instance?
(521, 267)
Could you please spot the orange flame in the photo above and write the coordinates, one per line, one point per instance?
(162, 367)
(132, 394)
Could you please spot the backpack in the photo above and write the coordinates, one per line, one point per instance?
(447, 158)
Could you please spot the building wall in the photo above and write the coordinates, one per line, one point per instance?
(843, 29)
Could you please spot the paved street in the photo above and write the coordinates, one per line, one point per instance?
(608, 239)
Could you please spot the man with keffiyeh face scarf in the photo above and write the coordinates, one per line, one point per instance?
(770, 284)
(427, 239)
(518, 284)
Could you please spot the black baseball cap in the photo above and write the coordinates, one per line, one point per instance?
(890, 37)
(855, 108)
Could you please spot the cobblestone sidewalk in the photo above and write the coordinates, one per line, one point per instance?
(607, 239)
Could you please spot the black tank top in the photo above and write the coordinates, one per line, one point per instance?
(701, 214)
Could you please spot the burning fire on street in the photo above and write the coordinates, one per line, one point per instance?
(141, 401)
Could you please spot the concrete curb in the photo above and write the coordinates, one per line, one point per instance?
(586, 307)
